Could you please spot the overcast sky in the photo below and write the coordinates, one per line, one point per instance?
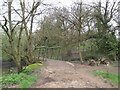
(69, 2)
(66, 3)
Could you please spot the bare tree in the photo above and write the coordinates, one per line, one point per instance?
(29, 18)
(77, 19)
(9, 29)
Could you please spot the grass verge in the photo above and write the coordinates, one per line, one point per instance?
(17, 79)
(114, 78)
(23, 80)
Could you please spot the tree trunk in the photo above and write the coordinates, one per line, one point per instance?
(29, 51)
(79, 38)
(16, 54)
(80, 55)
(17, 63)
(79, 31)
(19, 67)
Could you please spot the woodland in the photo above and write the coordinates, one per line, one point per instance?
(34, 33)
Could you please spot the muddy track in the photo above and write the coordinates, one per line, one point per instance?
(59, 74)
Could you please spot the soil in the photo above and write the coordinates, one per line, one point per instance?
(61, 74)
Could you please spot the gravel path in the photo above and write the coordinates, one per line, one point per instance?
(60, 74)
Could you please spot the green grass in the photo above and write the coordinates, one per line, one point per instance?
(27, 82)
(22, 80)
(114, 78)
(19, 79)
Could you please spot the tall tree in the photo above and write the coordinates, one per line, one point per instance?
(29, 18)
(106, 40)
(9, 30)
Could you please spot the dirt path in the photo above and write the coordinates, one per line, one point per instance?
(59, 74)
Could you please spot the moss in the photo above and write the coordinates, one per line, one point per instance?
(33, 66)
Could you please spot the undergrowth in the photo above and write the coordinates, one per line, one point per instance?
(19, 79)
(22, 80)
